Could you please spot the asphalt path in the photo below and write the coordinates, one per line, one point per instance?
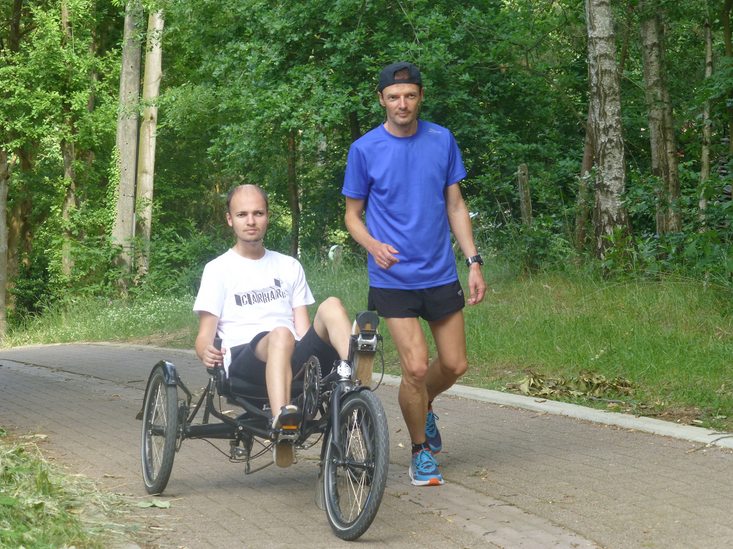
(520, 473)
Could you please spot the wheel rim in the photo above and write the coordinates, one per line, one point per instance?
(352, 478)
(156, 432)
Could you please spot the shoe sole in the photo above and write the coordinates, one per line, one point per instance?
(430, 482)
(283, 455)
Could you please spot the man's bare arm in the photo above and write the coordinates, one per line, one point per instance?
(204, 345)
(383, 253)
(460, 223)
(302, 320)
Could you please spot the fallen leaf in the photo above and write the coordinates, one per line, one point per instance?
(155, 503)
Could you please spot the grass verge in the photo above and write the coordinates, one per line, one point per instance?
(658, 348)
(43, 508)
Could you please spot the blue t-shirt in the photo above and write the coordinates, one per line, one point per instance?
(403, 181)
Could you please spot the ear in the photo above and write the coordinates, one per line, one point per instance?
(229, 220)
(381, 99)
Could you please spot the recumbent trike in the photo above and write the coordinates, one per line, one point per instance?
(340, 407)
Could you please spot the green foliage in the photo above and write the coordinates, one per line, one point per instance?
(508, 78)
(177, 259)
(33, 289)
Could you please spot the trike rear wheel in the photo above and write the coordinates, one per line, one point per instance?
(160, 430)
(356, 472)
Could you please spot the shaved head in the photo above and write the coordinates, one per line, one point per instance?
(242, 188)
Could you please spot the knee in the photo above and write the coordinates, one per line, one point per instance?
(456, 367)
(331, 305)
(415, 371)
(281, 337)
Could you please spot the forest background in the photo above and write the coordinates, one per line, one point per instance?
(596, 136)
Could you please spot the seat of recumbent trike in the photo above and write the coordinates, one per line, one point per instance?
(255, 394)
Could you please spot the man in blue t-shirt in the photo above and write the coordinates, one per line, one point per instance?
(404, 173)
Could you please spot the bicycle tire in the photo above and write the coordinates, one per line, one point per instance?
(354, 485)
(160, 429)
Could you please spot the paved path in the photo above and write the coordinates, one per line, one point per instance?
(516, 478)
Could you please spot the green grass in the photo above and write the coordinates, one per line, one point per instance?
(43, 508)
(671, 338)
(101, 319)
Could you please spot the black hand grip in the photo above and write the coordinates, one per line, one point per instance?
(217, 346)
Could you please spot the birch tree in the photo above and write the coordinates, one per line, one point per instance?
(728, 41)
(605, 105)
(661, 119)
(148, 126)
(707, 126)
(123, 231)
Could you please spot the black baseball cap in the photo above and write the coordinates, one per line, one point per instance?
(387, 77)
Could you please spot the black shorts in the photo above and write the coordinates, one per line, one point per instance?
(432, 304)
(247, 366)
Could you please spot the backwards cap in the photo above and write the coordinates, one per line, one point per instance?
(387, 77)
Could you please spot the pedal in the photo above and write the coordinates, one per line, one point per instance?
(282, 435)
(287, 423)
(364, 340)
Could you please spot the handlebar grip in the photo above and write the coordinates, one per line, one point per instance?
(217, 346)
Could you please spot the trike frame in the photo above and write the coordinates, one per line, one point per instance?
(338, 407)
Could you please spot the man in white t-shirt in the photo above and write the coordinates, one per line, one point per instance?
(256, 301)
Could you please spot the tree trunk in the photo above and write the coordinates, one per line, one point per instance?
(294, 204)
(625, 46)
(605, 105)
(19, 234)
(725, 16)
(525, 199)
(146, 157)
(706, 123)
(5, 168)
(123, 231)
(14, 35)
(583, 203)
(661, 120)
(354, 126)
(67, 151)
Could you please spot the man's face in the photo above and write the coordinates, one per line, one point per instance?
(402, 103)
(248, 215)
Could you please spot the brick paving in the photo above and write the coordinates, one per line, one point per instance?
(515, 478)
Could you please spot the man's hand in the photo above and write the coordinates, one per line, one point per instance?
(383, 255)
(213, 356)
(476, 285)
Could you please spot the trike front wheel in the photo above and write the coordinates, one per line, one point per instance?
(355, 471)
(160, 430)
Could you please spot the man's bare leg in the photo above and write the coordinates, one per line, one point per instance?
(452, 362)
(412, 348)
(276, 350)
(333, 326)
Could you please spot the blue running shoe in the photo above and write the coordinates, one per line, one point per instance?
(424, 469)
(432, 435)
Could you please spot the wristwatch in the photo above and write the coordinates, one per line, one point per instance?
(475, 259)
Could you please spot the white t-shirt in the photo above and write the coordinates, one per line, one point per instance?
(250, 296)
